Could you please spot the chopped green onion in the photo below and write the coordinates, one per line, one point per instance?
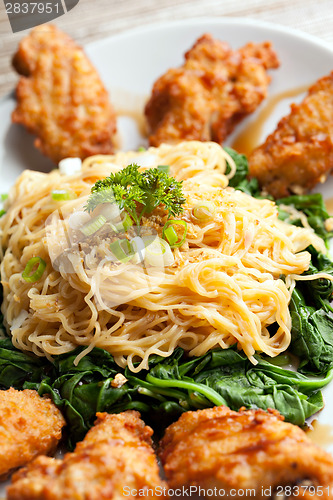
(2, 212)
(127, 222)
(124, 225)
(36, 275)
(141, 149)
(3, 197)
(163, 168)
(203, 210)
(168, 234)
(62, 195)
(122, 249)
(93, 225)
(158, 253)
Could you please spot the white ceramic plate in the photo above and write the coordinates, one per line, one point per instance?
(129, 63)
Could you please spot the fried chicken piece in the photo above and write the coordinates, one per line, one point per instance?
(214, 90)
(299, 153)
(114, 459)
(61, 98)
(29, 426)
(242, 450)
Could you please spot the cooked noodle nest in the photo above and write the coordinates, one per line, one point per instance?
(230, 280)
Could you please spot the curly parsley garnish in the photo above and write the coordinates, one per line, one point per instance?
(138, 193)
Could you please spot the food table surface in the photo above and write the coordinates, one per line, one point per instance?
(93, 20)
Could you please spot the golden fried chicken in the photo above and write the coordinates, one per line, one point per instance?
(299, 153)
(61, 98)
(214, 90)
(249, 450)
(29, 426)
(115, 460)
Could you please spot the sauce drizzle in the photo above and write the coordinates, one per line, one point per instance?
(249, 138)
(320, 434)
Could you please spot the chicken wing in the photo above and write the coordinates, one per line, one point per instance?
(214, 90)
(249, 450)
(115, 460)
(61, 98)
(299, 153)
(29, 426)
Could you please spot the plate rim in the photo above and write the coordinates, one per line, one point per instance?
(151, 27)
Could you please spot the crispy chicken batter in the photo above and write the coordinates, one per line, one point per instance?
(299, 153)
(214, 90)
(61, 98)
(116, 453)
(243, 450)
(29, 426)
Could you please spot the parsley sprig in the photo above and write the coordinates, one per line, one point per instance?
(137, 192)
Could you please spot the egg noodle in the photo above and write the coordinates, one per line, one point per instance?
(230, 280)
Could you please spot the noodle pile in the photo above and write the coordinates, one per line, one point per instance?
(231, 279)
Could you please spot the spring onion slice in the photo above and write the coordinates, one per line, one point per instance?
(110, 211)
(203, 211)
(94, 225)
(124, 225)
(141, 149)
(36, 275)
(3, 197)
(170, 235)
(158, 253)
(62, 195)
(2, 212)
(163, 168)
(122, 249)
(138, 249)
(77, 219)
(166, 234)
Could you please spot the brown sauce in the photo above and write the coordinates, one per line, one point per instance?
(249, 138)
(329, 205)
(320, 434)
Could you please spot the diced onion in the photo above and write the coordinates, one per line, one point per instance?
(93, 225)
(77, 219)
(62, 195)
(70, 166)
(203, 211)
(32, 277)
